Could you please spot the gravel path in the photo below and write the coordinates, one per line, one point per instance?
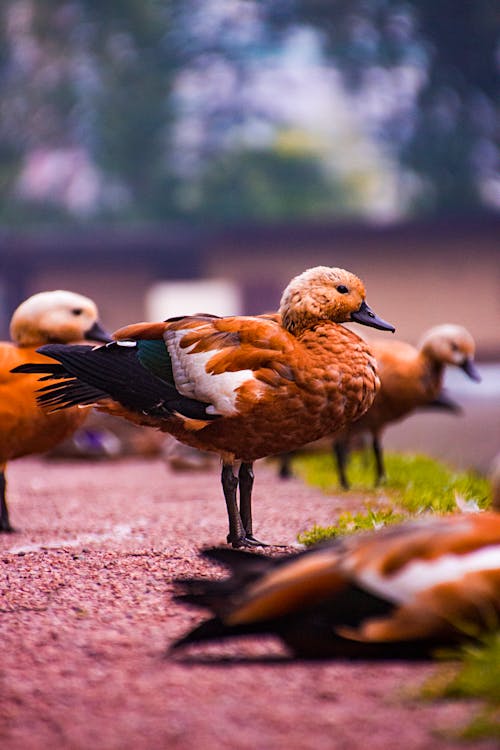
(86, 616)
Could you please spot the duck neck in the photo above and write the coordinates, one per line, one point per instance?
(298, 326)
(435, 369)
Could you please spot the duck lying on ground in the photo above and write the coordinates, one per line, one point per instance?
(58, 316)
(396, 593)
(242, 387)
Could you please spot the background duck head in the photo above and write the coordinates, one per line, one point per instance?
(56, 317)
(450, 344)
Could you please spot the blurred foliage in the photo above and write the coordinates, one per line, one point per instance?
(101, 81)
(266, 185)
(475, 675)
(92, 75)
(451, 140)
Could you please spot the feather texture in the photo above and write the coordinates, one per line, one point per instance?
(243, 387)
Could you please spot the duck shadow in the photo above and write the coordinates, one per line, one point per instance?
(285, 660)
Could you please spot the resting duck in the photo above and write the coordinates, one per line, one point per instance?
(399, 592)
(243, 387)
(46, 317)
(411, 378)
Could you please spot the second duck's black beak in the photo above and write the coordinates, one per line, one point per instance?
(367, 317)
(470, 369)
(98, 333)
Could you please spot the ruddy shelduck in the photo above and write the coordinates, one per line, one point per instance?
(399, 592)
(410, 379)
(243, 387)
(57, 316)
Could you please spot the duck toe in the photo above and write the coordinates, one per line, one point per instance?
(248, 540)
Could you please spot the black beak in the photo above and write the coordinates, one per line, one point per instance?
(97, 333)
(367, 317)
(470, 369)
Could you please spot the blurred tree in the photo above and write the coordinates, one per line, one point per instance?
(450, 137)
(90, 106)
(267, 185)
(91, 81)
(89, 113)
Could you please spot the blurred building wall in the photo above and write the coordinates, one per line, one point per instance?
(417, 275)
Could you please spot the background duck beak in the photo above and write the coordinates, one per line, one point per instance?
(98, 333)
(471, 370)
(367, 317)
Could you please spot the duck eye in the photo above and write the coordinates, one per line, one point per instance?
(77, 311)
(454, 347)
(342, 289)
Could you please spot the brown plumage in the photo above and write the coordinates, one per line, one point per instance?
(411, 378)
(24, 427)
(243, 387)
(398, 592)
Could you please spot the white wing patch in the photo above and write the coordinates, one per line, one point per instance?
(193, 380)
(425, 574)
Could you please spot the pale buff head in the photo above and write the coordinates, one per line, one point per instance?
(55, 317)
(448, 344)
(318, 294)
(324, 293)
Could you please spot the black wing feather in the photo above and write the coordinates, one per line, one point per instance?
(89, 374)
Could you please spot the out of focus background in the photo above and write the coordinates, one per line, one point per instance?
(177, 156)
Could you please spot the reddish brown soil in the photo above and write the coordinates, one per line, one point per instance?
(86, 617)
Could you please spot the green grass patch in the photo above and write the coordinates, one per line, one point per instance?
(476, 676)
(422, 483)
(350, 523)
(415, 482)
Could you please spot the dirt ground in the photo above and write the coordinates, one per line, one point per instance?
(86, 617)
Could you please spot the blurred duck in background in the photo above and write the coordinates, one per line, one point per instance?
(47, 317)
(399, 592)
(411, 379)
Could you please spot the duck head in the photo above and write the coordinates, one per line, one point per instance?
(56, 317)
(451, 345)
(324, 293)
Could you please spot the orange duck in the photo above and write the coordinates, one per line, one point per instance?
(399, 592)
(25, 428)
(410, 379)
(243, 387)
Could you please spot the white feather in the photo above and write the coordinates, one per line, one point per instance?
(419, 575)
(193, 380)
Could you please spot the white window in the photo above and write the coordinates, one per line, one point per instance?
(167, 299)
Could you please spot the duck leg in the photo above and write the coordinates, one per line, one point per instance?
(4, 511)
(341, 453)
(246, 477)
(240, 521)
(285, 466)
(379, 460)
(237, 533)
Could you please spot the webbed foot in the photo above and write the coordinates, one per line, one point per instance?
(245, 541)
